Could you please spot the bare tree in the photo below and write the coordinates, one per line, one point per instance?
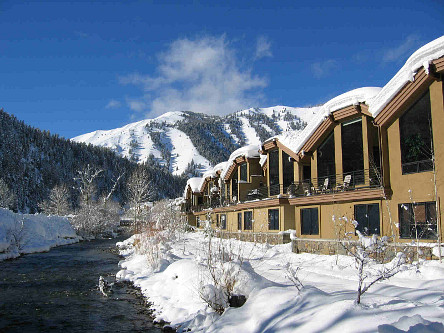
(7, 198)
(57, 203)
(140, 191)
(86, 183)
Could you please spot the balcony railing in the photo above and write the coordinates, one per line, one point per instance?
(350, 181)
(417, 166)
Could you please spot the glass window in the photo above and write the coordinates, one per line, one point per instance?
(326, 160)
(248, 220)
(352, 151)
(243, 172)
(418, 220)
(288, 170)
(273, 171)
(367, 217)
(234, 186)
(239, 221)
(273, 219)
(223, 221)
(309, 221)
(417, 137)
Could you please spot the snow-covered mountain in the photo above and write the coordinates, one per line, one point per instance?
(190, 142)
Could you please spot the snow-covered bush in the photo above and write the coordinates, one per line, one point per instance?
(370, 253)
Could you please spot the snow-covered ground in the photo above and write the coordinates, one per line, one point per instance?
(26, 233)
(413, 300)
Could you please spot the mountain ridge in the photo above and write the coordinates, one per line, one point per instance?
(191, 143)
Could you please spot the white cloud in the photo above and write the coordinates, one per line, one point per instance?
(201, 75)
(403, 50)
(113, 104)
(137, 105)
(323, 68)
(263, 48)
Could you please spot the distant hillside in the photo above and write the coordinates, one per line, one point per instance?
(32, 162)
(190, 143)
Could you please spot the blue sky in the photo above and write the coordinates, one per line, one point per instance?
(72, 67)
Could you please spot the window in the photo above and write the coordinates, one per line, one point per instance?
(239, 221)
(309, 221)
(417, 137)
(367, 217)
(418, 220)
(288, 170)
(234, 186)
(223, 221)
(243, 172)
(273, 219)
(248, 220)
(352, 150)
(326, 160)
(273, 164)
(200, 200)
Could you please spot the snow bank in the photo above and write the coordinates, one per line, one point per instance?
(412, 300)
(26, 233)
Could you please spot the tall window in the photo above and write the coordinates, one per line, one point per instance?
(288, 170)
(248, 220)
(352, 151)
(239, 221)
(367, 217)
(326, 159)
(243, 172)
(234, 185)
(273, 171)
(417, 137)
(223, 221)
(309, 221)
(273, 219)
(418, 220)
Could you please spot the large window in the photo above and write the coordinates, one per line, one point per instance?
(243, 172)
(273, 171)
(234, 186)
(239, 221)
(248, 220)
(273, 219)
(352, 151)
(223, 221)
(309, 221)
(416, 137)
(367, 217)
(326, 160)
(288, 170)
(418, 220)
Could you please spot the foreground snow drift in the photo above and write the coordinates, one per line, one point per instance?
(26, 233)
(411, 301)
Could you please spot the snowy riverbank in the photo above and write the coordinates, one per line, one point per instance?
(26, 233)
(326, 303)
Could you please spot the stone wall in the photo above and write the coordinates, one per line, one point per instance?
(331, 247)
(259, 237)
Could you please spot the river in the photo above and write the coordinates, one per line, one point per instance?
(57, 291)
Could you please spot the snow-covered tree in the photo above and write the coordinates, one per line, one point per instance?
(58, 201)
(7, 198)
(140, 190)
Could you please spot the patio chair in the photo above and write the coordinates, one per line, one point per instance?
(346, 184)
(324, 187)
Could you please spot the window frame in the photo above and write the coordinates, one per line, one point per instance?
(312, 232)
(360, 224)
(276, 224)
(410, 225)
(243, 172)
(248, 223)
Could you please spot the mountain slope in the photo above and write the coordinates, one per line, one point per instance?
(188, 142)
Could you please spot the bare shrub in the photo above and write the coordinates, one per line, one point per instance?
(17, 234)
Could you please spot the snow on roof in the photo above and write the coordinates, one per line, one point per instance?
(422, 57)
(249, 151)
(296, 139)
(262, 160)
(194, 183)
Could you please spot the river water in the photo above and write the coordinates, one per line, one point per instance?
(57, 291)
